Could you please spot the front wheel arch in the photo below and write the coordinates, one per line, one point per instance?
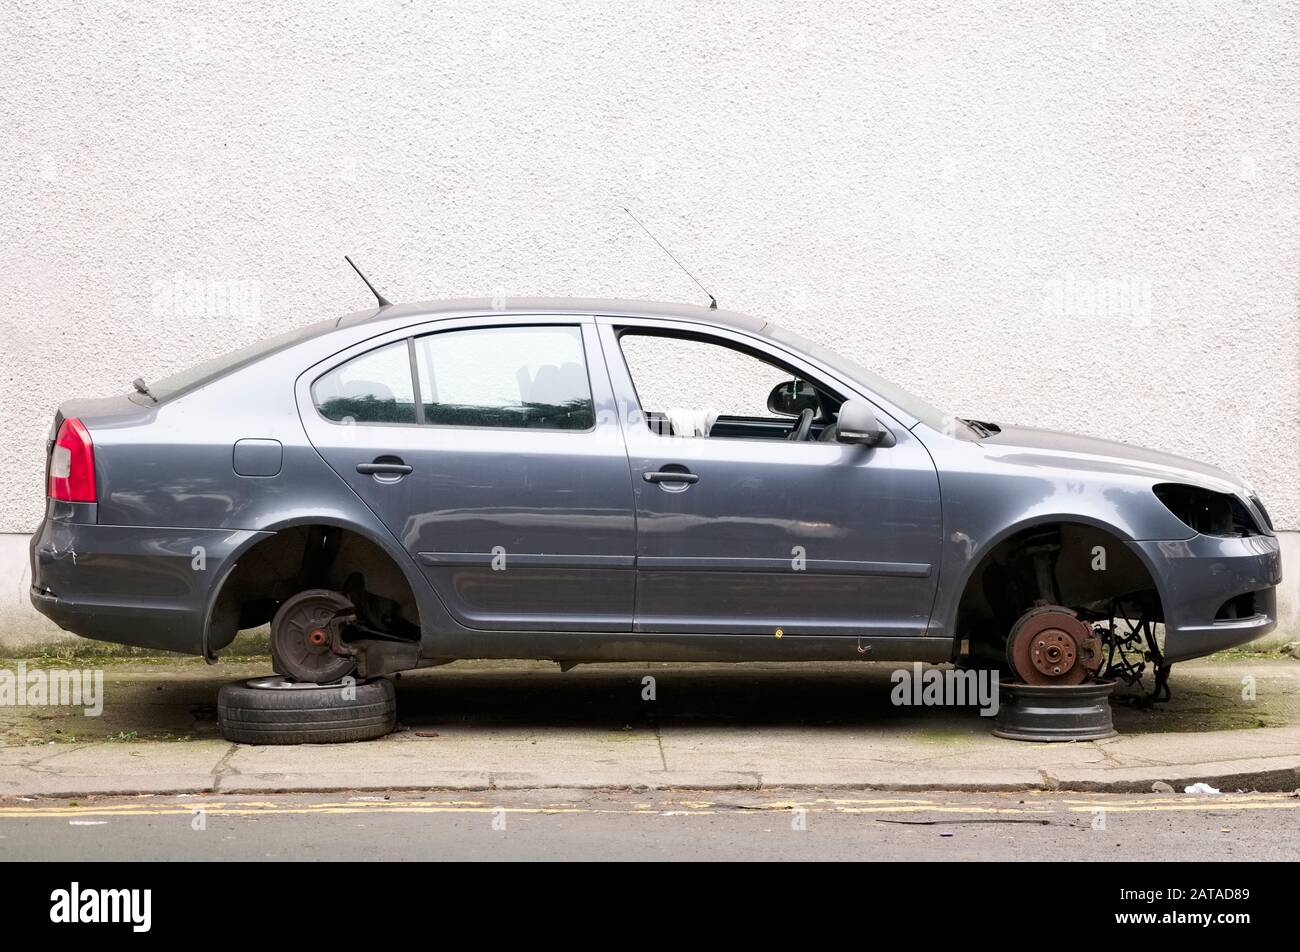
(1127, 571)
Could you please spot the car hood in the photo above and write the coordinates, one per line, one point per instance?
(1048, 447)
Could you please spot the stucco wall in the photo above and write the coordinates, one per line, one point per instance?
(1083, 216)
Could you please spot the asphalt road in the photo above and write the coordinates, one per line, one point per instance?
(555, 825)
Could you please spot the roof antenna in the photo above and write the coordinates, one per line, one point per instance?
(383, 301)
(713, 302)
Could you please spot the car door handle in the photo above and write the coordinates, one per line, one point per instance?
(387, 469)
(669, 476)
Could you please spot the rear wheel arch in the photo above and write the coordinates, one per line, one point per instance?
(266, 569)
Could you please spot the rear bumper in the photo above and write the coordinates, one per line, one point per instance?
(1198, 576)
(132, 585)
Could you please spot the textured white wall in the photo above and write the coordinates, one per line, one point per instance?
(1083, 216)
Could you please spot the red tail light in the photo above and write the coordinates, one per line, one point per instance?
(72, 464)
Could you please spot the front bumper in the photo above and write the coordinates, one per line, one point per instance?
(1197, 577)
(144, 586)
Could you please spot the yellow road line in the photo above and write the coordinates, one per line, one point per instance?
(246, 808)
(190, 810)
(1191, 798)
(1185, 807)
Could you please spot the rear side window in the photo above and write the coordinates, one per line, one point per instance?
(533, 377)
(373, 388)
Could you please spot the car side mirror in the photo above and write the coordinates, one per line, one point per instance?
(857, 424)
(792, 397)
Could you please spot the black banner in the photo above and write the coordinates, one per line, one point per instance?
(214, 901)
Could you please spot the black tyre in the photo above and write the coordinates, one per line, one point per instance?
(274, 710)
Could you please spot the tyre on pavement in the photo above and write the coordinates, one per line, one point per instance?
(275, 710)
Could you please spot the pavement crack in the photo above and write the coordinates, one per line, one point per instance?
(659, 739)
(1107, 756)
(223, 768)
(45, 758)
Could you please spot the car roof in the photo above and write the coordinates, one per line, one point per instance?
(608, 307)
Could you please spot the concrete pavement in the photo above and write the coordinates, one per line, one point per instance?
(517, 726)
(700, 759)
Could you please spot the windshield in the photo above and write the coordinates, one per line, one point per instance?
(217, 366)
(923, 410)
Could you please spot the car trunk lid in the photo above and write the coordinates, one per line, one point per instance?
(93, 413)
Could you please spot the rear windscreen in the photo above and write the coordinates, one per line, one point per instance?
(211, 369)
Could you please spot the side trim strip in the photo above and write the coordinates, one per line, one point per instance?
(683, 564)
(531, 558)
(811, 566)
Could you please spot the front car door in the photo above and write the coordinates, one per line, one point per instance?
(740, 530)
(491, 450)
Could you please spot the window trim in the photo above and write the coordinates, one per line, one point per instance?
(415, 381)
(410, 337)
(704, 336)
(311, 388)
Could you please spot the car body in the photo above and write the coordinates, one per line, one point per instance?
(557, 523)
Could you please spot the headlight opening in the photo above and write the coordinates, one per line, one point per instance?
(1212, 513)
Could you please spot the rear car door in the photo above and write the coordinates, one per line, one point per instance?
(492, 452)
(760, 533)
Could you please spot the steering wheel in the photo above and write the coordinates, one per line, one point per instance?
(802, 428)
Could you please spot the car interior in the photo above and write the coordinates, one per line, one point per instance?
(673, 376)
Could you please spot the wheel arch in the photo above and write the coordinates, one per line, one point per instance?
(381, 541)
(980, 558)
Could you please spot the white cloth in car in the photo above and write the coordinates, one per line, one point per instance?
(689, 421)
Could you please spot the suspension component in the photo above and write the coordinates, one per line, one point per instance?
(1050, 645)
(1128, 652)
(307, 637)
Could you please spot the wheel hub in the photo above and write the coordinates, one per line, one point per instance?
(306, 636)
(1050, 645)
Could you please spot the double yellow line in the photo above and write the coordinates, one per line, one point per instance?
(1046, 805)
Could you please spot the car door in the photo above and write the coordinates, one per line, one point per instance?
(490, 449)
(739, 532)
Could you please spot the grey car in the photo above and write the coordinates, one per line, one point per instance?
(595, 480)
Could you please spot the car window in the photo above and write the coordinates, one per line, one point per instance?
(534, 377)
(373, 388)
(929, 414)
(684, 384)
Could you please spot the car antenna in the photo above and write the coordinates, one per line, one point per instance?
(383, 301)
(713, 302)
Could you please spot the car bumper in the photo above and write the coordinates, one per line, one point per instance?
(1197, 577)
(149, 587)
